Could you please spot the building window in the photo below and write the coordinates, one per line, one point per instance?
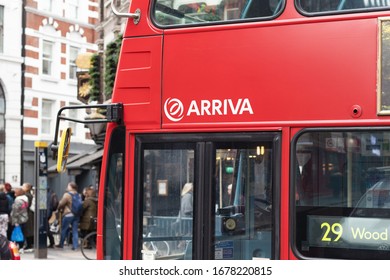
(46, 5)
(1, 28)
(73, 9)
(47, 57)
(73, 114)
(47, 116)
(73, 52)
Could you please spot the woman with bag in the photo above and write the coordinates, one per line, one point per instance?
(19, 214)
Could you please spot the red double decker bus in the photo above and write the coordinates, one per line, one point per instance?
(249, 129)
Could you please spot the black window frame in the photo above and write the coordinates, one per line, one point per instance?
(204, 142)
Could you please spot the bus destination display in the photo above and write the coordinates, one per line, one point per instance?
(348, 232)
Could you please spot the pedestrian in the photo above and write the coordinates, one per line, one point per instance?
(4, 211)
(9, 191)
(5, 252)
(68, 218)
(186, 203)
(29, 226)
(87, 221)
(183, 224)
(19, 214)
(52, 205)
(11, 197)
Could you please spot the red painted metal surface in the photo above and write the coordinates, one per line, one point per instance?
(287, 73)
(138, 82)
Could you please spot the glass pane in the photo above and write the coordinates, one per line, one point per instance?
(46, 67)
(384, 68)
(46, 124)
(46, 108)
(46, 5)
(73, 8)
(113, 197)
(319, 6)
(73, 54)
(244, 217)
(72, 71)
(199, 12)
(343, 194)
(47, 55)
(47, 49)
(167, 202)
(72, 62)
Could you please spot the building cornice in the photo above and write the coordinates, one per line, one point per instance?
(58, 17)
(14, 59)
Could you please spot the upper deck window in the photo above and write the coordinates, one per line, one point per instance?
(335, 6)
(190, 12)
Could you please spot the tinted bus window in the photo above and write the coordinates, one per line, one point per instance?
(342, 194)
(168, 189)
(326, 6)
(179, 12)
(113, 197)
(215, 198)
(244, 219)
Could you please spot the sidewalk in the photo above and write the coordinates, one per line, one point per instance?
(56, 254)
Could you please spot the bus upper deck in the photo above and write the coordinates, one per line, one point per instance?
(253, 70)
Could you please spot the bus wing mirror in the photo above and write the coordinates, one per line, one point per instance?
(63, 150)
(114, 114)
(136, 16)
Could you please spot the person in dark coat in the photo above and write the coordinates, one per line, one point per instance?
(52, 204)
(29, 226)
(5, 252)
(11, 198)
(9, 191)
(87, 221)
(4, 211)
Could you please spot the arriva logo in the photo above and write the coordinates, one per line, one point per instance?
(174, 109)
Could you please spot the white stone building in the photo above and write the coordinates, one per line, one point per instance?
(10, 90)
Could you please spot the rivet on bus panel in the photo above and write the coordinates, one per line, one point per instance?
(356, 111)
